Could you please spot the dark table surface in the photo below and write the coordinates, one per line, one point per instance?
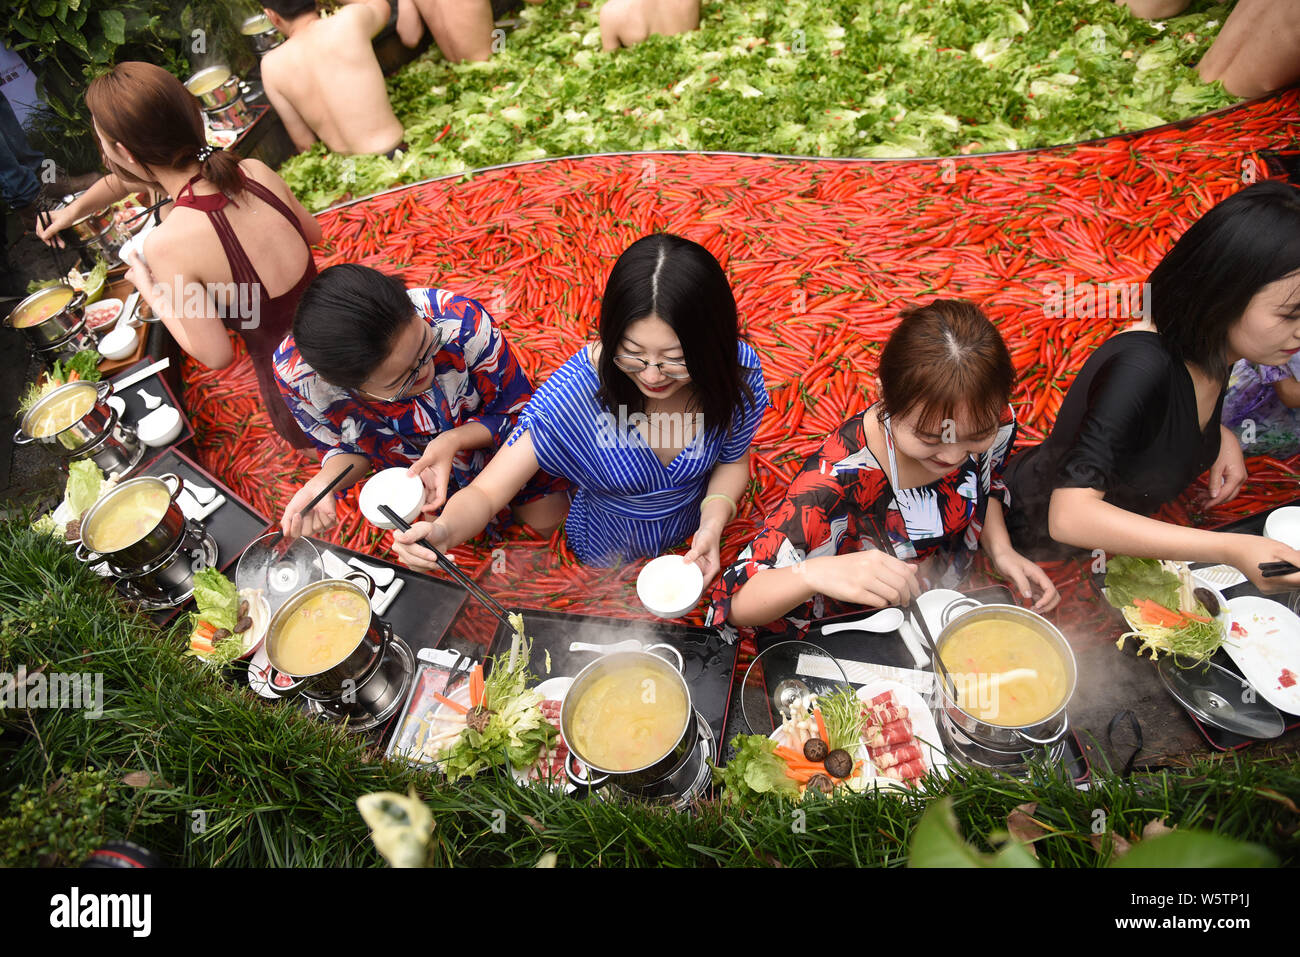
(433, 612)
(1113, 680)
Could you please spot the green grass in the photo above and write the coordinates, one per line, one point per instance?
(883, 78)
(273, 788)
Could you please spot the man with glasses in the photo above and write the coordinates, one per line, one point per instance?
(378, 375)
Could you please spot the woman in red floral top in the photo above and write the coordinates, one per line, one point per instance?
(922, 467)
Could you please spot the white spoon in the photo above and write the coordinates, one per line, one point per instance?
(382, 575)
(882, 622)
(202, 494)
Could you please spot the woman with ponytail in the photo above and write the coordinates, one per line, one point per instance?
(233, 253)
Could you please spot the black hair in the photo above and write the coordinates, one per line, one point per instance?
(1204, 284)
(290, 9)
(681, 283)
(348, 321)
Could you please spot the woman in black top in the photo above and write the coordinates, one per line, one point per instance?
(1141, 420)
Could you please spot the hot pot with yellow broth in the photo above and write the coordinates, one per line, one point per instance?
(326, 636)
(1013, 676)
(629, 718)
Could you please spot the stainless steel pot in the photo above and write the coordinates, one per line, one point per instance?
(260, 34)
(56, 328)
(1045, 732)
(93, 225)
(345, 677)
(660, 776)
(226, 92)
(117, 453)
(80, 435)
(160, 541)
(232, 116)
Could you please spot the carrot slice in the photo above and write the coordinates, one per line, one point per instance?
(451, 704)
(476, 686)
(1158, 614)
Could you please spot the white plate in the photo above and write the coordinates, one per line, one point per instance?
(923, 726)
(553, 689)
(1271, 642)
(868, 769)
(1224, 617)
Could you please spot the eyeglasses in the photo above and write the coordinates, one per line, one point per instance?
(634, 364)
(413, 375)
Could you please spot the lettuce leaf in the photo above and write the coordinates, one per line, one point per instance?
(1130, 579)
(85, 482)
(216, 598)
(755, 770)
(833, 78)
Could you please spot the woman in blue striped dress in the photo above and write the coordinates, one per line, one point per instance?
(651, 425)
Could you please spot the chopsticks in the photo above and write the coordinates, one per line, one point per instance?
(450, 567)
(145, 212)
(914, 611)
(279, 535)
(1276, 569)
(130, 380)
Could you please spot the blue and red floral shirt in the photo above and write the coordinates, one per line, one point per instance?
(839, 500)
(476, 379)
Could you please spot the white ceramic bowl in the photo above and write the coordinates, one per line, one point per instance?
(160, 426)
(1283, 525)
(101, 315)
(403, 493)
(668, 587)
(119, 343)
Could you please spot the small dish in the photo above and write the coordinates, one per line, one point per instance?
(103, 314)
(118, 343)
(159, 427)
(1283, 525)
(403, 493)
(669, 587)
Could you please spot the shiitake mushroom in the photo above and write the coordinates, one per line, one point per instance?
(1206, 598)
(839, 763)
(822, 783)
(815, 749)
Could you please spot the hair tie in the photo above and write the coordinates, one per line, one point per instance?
(204, 153)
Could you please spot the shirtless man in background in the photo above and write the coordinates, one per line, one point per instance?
(324, 80)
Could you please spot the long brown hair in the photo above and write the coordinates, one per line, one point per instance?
(944, 359)
(158, 121)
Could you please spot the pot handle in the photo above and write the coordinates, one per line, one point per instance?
(180, 483)
(681, 662)
(385, 636)
(103, 389)
(947, 614)
(22, 438)
(85, 555)
(1065, 726)
(77, 301)
(362, 581)
(581, 778)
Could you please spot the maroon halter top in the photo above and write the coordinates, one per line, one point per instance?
(275, 314)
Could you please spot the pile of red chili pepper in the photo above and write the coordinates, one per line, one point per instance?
(822, 255)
